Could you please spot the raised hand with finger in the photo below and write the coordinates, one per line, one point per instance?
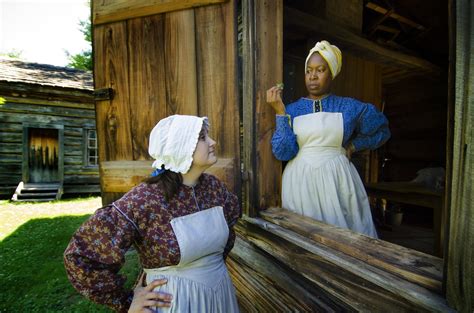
(274, 99)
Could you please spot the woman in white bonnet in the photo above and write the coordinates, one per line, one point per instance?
(317, 135)
(180, 221)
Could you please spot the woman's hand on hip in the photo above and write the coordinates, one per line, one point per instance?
(274, 99)
(144, 298)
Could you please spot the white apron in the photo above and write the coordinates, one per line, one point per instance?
(320, 182)
(200, 282)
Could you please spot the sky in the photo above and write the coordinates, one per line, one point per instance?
(43, 29)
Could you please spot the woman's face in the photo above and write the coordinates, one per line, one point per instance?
(318, 76)
(204, 155)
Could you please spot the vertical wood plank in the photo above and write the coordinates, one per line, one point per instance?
(180, 63)
(147, 79)
(216, 53)
(249, 184)
(268, 72)
(113, 116)
(460, 274)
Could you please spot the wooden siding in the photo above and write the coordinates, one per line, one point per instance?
(19, 113)
(161, 65)
(119, 10)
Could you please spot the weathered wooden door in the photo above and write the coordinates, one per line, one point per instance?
(43, 155)
(175, 57)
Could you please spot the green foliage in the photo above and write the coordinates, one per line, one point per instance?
(83, 60)
(13, 54)
(2, 101)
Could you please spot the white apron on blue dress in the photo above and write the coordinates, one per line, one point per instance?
(320, 182)
(200, 282)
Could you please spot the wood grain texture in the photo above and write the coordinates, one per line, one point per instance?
(417, 267)
(249, 171)
(460, 265)
(180, 63)
(106, 11)
(265, 285)
(217, 85)
(268, 72)
(121, 176)
(111, 71)
(357, 291)
(147, 79)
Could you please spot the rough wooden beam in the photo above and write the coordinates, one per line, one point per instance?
(394, 15)
(265, 285)
(49, 93)
(121, 176)
(355, 44)
(118, 10)
(417, 267)
(352, 281)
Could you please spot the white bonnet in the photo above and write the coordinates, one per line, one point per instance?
(173, 141)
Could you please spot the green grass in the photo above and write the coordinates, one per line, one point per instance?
(33, 239)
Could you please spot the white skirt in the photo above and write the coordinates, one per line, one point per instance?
(321, 183)
(203, 285)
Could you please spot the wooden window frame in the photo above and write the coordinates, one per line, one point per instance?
(86, 158)
(262, 57)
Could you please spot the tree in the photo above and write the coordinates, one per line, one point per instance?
(13, 54)
(83, 60)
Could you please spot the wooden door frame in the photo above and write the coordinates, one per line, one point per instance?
(256, 48)
(25, 163)
(262, 59)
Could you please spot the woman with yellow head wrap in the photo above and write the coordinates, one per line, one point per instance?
(317, 135)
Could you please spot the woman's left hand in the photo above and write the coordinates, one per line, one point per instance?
(144, 298)
(349, 150)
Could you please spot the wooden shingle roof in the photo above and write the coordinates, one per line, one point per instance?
(44, 74)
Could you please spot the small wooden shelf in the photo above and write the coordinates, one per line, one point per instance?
(416, 194)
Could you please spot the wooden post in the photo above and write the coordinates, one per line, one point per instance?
(460, 269)
(249, 193)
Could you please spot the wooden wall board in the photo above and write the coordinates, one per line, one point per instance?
(268, 73)
(118, 10)
(147, 79)
(217, 83)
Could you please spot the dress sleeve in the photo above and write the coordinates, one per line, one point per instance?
(372, 129)
(284, 144)
(232, 213)
(95, 255)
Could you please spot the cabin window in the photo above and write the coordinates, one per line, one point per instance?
(92, 155)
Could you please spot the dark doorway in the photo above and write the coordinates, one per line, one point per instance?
(43, 155)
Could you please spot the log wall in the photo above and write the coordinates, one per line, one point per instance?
(34, 108)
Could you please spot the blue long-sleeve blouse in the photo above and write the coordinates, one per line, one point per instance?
(364, 126)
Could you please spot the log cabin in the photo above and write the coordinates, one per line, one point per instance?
(48, 142)
(217, 58)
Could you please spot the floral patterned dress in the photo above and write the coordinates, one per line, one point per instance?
(142, 218)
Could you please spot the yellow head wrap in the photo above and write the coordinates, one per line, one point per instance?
(330, 53)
